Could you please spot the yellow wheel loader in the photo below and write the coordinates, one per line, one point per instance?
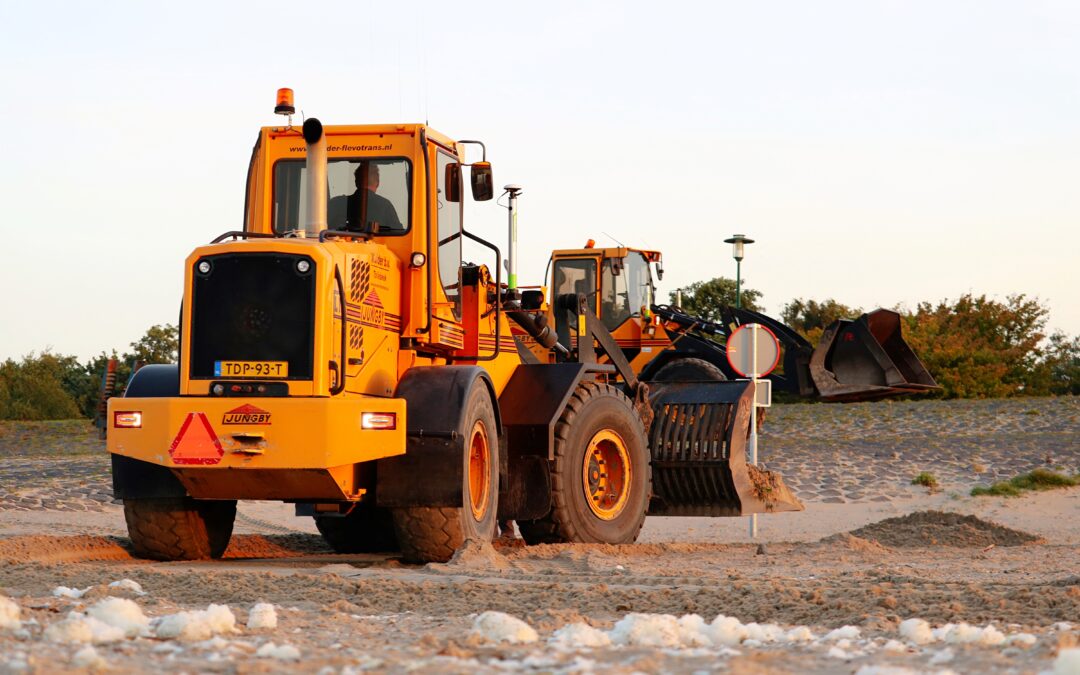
(337, 353)
(856, 359)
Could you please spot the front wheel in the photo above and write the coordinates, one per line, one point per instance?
(433, 533)
(601, 478)
(179, 528)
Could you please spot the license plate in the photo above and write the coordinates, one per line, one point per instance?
(271, 369)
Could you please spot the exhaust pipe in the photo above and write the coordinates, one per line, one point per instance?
(316, 177)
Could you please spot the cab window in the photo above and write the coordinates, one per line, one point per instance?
(626, 293)
(575, 276)
(449, 229)
(382, 208)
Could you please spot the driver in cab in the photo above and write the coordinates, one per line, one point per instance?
(381, 214)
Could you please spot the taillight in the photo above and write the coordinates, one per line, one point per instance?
(376, 420)
(128, 419)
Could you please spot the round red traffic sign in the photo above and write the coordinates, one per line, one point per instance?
(750, 340)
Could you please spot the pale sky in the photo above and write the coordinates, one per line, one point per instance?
(879, 152)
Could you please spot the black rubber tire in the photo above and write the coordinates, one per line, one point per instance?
(689, 369)
(592, 408)
(179, 528)
(433, 533)
(366, 529)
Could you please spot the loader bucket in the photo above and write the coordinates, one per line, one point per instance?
(867, 359)
(698, 444)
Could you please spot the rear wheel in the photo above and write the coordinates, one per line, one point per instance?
(601, 478)
(689, 369)
(432, 533)
(366, 529)
(179, 528)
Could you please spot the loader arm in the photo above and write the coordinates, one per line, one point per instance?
(856, 360)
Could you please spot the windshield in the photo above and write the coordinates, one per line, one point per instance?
(626, 293)
(383, 207)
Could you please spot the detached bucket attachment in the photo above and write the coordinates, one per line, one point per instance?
(698, 442)
(867, 359)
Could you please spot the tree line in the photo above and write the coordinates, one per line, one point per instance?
(50, 386)
(974, 346)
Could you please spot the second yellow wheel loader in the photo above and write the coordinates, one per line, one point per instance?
(337, 353)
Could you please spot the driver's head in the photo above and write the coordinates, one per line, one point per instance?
(372, 176)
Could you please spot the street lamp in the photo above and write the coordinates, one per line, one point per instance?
(738, 243)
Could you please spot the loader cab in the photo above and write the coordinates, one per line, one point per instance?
(619, 287)
(617, 281)
(398, 186)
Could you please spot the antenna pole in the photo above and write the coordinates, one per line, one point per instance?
(512, 209)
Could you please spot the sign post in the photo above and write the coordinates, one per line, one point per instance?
(753, 352)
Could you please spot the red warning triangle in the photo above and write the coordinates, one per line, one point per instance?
(196, 443)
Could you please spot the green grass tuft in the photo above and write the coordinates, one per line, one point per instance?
(925, 479)
(1039, 479)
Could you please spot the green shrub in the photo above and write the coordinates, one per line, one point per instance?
(1037, 480)
(926, 479)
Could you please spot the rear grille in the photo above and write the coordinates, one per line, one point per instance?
(253, 307)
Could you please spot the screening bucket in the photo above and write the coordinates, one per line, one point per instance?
(698, 443)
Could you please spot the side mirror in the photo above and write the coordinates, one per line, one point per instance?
(483, 185)
(453, 182)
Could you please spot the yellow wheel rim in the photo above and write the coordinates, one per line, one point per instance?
(606, 474)
(479, 470)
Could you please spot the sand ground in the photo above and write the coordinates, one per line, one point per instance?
(815, 568)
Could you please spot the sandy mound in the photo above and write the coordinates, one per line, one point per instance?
(937, 528)
(50, 549)
(474, 555)
(46, 548)
(853, 543)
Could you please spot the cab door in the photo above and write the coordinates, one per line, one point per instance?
(446, 324)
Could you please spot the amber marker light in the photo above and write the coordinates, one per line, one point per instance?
(127, 419)
(378, 421)
(285, 102)
(590, 243)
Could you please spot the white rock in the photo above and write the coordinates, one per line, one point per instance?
(764, 632)
(81, 628)
(728, 631)
(87, 657)
(837, 653)
(9, 613)
(964, 633)
(579, 636)
(169, 647)
(200, 625)
(262, 615)
(128, 585)
(1067, 662)
(121, 613)
(73, 593)
(799, 634)
(216, 642)
(1061, 626)
(894, 646)
(916, 631)
(843, 633)
(282, 653)
(694, 632)
(499, 627)
(647, 630)
(943, 656)
(885, 670)
(1025, 640)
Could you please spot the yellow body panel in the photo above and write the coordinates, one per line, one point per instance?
(308, 433)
